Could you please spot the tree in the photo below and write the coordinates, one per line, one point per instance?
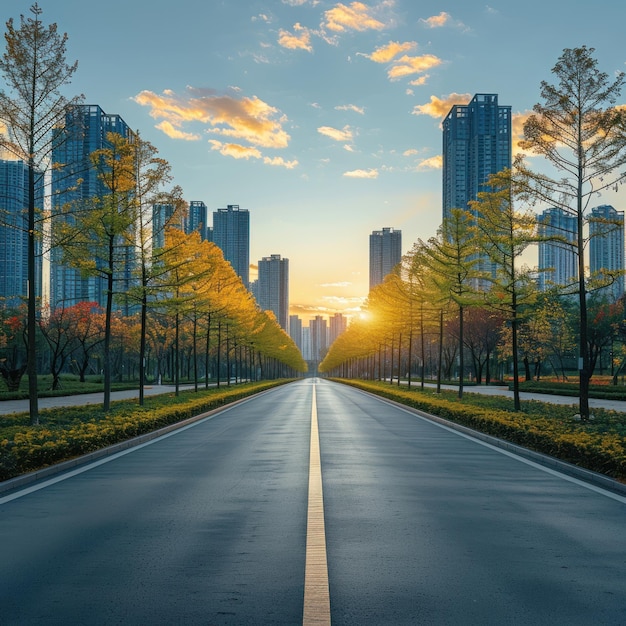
(97, 238)
(504, 233)
(152, 173)
(34, 70)
(452, 257)
(581, 134)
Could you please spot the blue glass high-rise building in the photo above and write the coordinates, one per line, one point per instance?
(273, 288)
(558, 263)
(197, 218)
(14, 232)
(476, 144)
(231, 233)
(75, 183)
(385, 253)
(606, 247)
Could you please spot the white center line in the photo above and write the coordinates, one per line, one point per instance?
(316, 592)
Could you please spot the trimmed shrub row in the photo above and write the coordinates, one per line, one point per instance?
(69, 433)
(549, 433)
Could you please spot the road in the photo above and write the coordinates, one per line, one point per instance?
(210, 525)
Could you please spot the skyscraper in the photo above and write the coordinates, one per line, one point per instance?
(337, 325)
(273, 288)
(197, 218)
(606, 246)
(231, 233)
(476, 144)
(295, 331)
(318, 329)
(14, 232)
(385, 253)
(76, 182)
(558, 263)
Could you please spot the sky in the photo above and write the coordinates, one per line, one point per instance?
(322, 118)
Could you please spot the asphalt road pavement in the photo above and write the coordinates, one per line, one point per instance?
(208, 525)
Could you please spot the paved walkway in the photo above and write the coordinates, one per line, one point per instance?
(21, 406)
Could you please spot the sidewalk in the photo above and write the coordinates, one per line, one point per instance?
(22, 406)
(613, 405)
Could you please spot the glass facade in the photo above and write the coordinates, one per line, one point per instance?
(14, 232)
(385, 253)
(75, 183)
(231, 233)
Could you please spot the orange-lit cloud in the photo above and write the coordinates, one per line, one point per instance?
(356, 16)
(345, 134)
(422, 80)
(433, 163)
(174, 133)
(371, 173)
(440, 107)
(406, 65)
(235, 150)
(385, 54)
(247, 119)
(517, 129)
(301, 40)
(437, 21)
(280, 162)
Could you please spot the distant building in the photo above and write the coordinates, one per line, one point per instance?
(14, 232)
(337, 325)
(273, 288)
(476, 144)
(231, 233)
(606, 246)
(385, 253)
(318, 329)
(196, 219)
(76, 183)
(162, 215)
(558, 262)
(295, 331)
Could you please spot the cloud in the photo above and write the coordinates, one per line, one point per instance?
(356, 16)
(437, 21)
(406, 65)
(299, 41)
(237, 151)
(174, 133)
(433, 163)
(344, 134)
(280, 162)
(440, 107)
(234, 150)
(339, 285)
(248, 120)
(418, 82)
(299, 3)
(386, 53)
(351, 107)
(371, 173)
(410, 152)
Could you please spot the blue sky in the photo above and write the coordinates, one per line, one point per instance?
(321, 118)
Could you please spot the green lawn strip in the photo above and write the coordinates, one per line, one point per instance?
(69, 432)
(598, 445)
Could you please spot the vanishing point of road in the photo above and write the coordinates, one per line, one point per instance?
(313, 503)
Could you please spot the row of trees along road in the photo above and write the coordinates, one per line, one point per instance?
(581, 133)
(184, 279)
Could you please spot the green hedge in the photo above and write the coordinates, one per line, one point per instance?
(551, 431)
(71, 432)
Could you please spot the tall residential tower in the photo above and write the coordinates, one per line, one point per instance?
(273, 288)
(231, 233)
(385, 253)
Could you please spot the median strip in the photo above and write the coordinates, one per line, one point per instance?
(316, 591)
